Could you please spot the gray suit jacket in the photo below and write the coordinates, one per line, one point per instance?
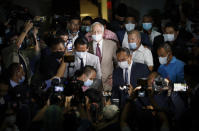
(109, 48)
(91, 60)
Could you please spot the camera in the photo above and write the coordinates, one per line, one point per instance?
(57, 88)
(69, 58)
(142, 86)
(159, 83)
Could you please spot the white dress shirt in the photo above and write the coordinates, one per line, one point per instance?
(95, 45)
(125, 42)
(153, 35)
(143, 55)
(74, 37)
(129, 73)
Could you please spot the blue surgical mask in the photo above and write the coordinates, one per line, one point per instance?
(83, 28)
(147, 26)
(132, 46)
(130, 26)
(81, 54)
(22, 79)
(88, 83)
(169, 37)
(88, 29)
(163, 60)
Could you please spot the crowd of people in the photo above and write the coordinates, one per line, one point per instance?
(61, 73)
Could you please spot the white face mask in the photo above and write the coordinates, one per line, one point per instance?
(97, 37)
(163, 60)
(123, 64)
(130, 26)
(88, 83)
(81, 54)
(169, 37)
(132, 46)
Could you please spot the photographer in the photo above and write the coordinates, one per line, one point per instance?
(53, 65)
(13, 53)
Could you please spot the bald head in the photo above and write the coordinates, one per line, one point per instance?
(134, 37)
(136, 32)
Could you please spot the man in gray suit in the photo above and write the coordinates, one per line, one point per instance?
(106, 51)
(83, 58)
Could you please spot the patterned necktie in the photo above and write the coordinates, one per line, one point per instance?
(126, 76)
(98, 52)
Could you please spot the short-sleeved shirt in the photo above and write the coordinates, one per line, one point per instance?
(174, 71)
(143, 55)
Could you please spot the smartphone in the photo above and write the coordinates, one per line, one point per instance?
(69, 59)
(59, 89)
(70, 46)
(180, 87)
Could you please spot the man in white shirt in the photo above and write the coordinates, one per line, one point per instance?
(147, 25)
(73, 29)
(106, 52)
(83, 58)
(140, 53)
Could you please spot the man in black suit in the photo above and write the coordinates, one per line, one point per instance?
(127, 73)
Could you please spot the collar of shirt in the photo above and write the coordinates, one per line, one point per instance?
(79, 60)
(95, 45)
(74, 37)
(13, 84)
(141, 48)
(173, 60)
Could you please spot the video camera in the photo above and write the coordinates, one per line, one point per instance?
(159, 83)
(61, 87)
(142, 84)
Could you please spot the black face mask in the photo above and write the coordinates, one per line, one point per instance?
(120, 22)
(58, 54)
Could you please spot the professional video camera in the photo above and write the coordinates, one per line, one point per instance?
(62, 87)
(142, 84)
(159, 83)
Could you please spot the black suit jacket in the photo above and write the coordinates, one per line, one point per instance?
(138, 70)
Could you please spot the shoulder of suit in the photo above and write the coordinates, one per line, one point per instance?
(110, 42)
(139, 64)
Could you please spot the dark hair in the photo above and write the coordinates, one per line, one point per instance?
(124, 49)
(132, 15)
(56, 41)
(87, 70)
(81, 41)
(13, 68)
(174, 26)
(100, 20)
(165, 46)
(87, 18)
(74, 18)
